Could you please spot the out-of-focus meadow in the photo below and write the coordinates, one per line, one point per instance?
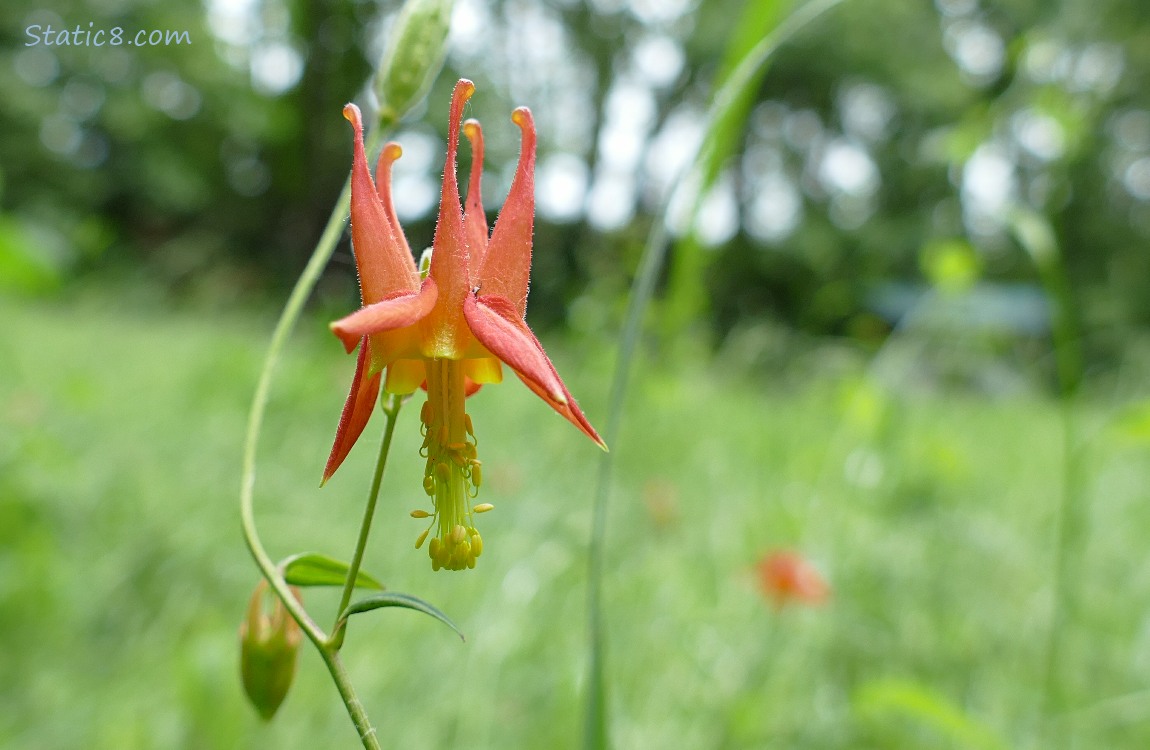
(902, 336)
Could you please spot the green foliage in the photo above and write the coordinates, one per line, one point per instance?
(402, 601)
(314, 569)
(759, 20)
(22, 268)
(928, 511)
(922, 705)
(190, 158)
(190, 163)
(951, 265)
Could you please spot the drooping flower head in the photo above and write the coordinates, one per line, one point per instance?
(448, 328)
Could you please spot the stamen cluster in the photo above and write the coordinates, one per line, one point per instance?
(451, 478)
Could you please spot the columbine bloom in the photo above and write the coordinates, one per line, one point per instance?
(448, 327)
(787, 577)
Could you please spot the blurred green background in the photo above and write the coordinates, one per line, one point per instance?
(851, 354)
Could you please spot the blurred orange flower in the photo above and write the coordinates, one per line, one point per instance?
(786, 577)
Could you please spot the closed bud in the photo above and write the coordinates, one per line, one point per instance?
(269, 644)
(413, 57)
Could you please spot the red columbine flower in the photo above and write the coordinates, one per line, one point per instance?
(448, 327)
(786, 577)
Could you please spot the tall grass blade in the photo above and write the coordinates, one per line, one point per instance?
(744, 78)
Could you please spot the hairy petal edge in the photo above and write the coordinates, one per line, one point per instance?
(496, 323)
(356, 410)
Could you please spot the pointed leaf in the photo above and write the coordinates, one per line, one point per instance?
(393, 599)
(314, 569)
(762, 29)
(924, 705)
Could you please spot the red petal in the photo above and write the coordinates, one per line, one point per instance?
(498, 326)
(388, 315)
(387, 157)
(506, 267)
(385, 264)
(356, 411)
(474, 219)
(449, 259)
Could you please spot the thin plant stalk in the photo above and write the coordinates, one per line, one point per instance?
(595, 735)
(284, 326)
(391, 409)
(1037, 238)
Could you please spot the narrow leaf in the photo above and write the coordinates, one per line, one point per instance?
(765, 25)
(393, 599)
(919, 703)
(314, 569)
(643, 286)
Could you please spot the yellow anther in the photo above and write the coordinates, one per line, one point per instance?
(422, 537)
(483, 507)
(452, 472)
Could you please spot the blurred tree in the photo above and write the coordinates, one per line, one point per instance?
(884, 129)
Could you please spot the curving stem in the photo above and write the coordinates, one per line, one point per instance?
(391, 410)
(287, 320)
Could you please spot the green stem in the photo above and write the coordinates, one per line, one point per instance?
(284, 326)
(1037, 238)
(355, 709)
(1066, 532)
(595, 735)
(595, 712)
(391, 410)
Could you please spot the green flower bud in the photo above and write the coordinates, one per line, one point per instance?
(413, 57)
(269, 645)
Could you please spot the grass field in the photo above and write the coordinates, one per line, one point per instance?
(123, 576)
